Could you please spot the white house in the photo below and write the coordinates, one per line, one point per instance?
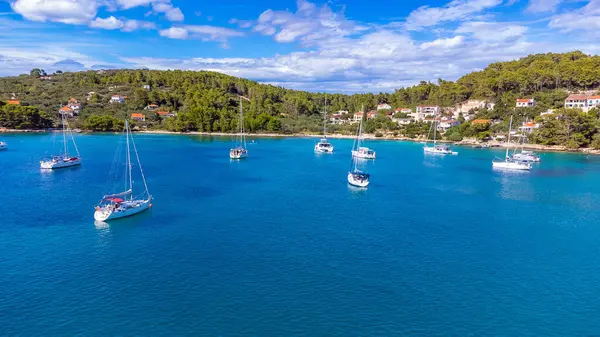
(593, 101)
(66, 112)
(428, 109)
(74, 104)
(357, 116)
(151, 107)
(576, 101)
(117, 99)
(138, 117)
(444, 125)
(384, 106)
(525, 102)
(529, 127)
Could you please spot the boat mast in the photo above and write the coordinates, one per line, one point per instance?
(362, 108)
(128, 164)
(64, 135)
(242, 136)
(509, 131)
(140, 166)
(434, 128)
(325, 119)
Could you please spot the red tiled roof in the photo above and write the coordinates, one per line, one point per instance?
(594, 97)
(13, 102)
(66, 108)
(162, 113)
(577, 97)
(137, 115)
(481, 121)
(524, 100)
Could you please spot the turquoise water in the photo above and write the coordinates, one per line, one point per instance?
(278, 244)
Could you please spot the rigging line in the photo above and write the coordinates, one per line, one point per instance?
(139, 164)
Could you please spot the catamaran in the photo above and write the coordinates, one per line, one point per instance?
(324, 146)
(437, 149)
(124, 204)
(240, 151)
(510, 163)
(64, 159)
(362, 152)
(355, 176)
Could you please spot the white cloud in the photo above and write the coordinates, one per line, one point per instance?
(456, 10)
(492, 31)
(109, 23)
(131, 25)
(174, 33)
(444, 43)
(586, 18)
(541, 6)
(310, 24)
(65, 11)
(171, 13)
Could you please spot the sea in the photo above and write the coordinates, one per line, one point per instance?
(278, 244)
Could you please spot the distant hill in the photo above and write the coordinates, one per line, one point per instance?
(208, 101)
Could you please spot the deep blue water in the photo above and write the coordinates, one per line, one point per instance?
(278, 244)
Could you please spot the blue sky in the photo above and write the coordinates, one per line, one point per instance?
(336, 46)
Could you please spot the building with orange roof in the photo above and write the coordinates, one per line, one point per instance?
(66, 111)
(480, 121)
(529, 127)
(138, 117)
(525, 102)
(13, 102)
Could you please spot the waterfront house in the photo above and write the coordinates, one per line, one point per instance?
(384, 106)
(576, 101)
(529, 127)
(138, 117)
(13, 102)
(151, 107)
(117, 99)
(66, 112)
(525, 102)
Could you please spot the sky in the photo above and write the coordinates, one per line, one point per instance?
(342, 46)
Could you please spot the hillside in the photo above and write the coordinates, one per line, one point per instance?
(208, 101)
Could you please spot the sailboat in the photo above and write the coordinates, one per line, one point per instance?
(510, 163)
(525, 155)
(123, 204)
(240, 151)
(359, 151)
(64, 159)
(3, 146)
(324, 146)
(437, 149)
(355, 176)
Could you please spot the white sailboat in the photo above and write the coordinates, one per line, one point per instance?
(64, 159)
(525, 155)
(355, 176)
(510, 163)
(437, 149)
(324, 146)
(359, 151)
(124, 204)
(240, 151)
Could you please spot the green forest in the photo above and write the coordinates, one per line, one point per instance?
(209, 101)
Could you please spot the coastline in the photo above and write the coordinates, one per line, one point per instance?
(465, 142)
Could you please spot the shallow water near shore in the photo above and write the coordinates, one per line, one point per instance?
(278, 244)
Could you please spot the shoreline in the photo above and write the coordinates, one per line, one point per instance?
(465, 142)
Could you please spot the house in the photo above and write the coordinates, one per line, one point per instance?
(13, 102)
(371, 114)
(66, 112)
(402, 121)
(428, 109)
(404, 110)
(444, 125)
(138, 117)
(470, 105)
(593, 101)
(357, 116)
(384, 106)
(163, 113)
(74, 104)
(147, 86)
(576, 101)
(117, 99)
(525, 102)
(529, 127)
(151, 107)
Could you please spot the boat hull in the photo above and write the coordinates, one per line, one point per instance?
(319, 149)
(58, 164)
(433, 150)
(357, 182)
(512, 166)
(362, 155)
(238, 156)
(107, 214)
